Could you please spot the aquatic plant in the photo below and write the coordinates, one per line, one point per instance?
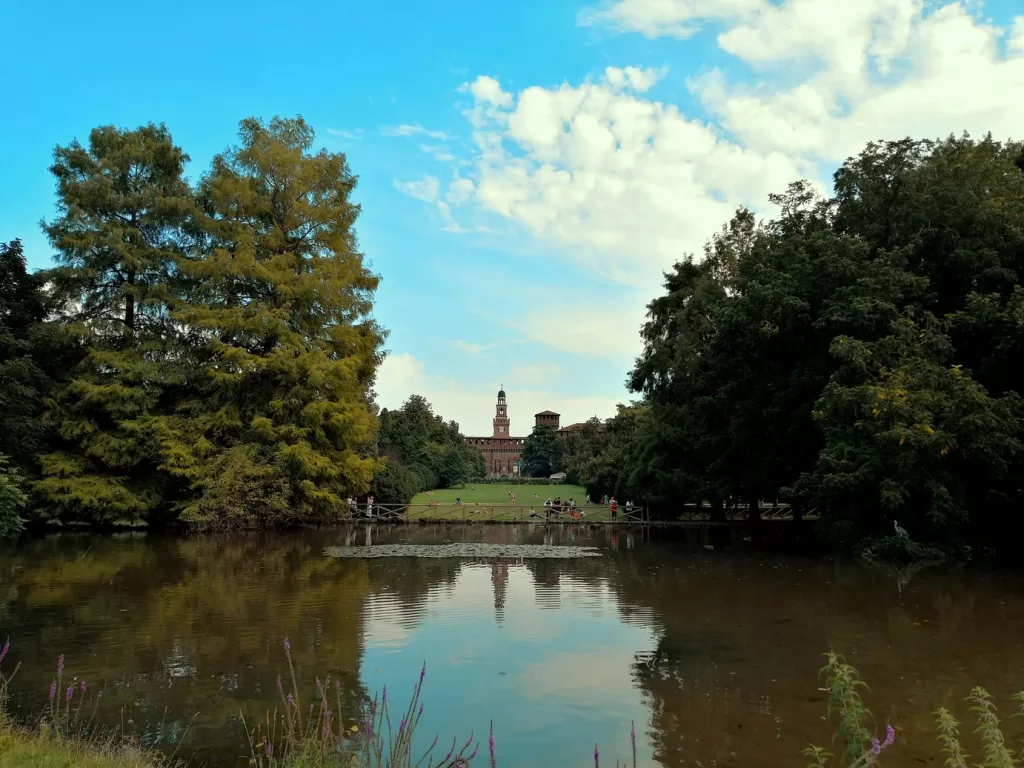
(70, 734)
(320, 737)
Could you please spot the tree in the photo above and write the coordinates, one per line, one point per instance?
(32, 355)
(857, 355)
(278, 315)
(123, 205)
(433, 450)
(394, 484)
(542, 453)
(12, 499)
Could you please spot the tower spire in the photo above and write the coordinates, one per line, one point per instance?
(501, 420)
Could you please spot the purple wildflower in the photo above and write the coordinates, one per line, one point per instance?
(268, 749)
(420, 713)
(337, 685)
(323, 703)
(53, 690)
(450, 753)
(423, 672)
(319, 685)
(279, 688)
(290, 699)
(475, 750)
(60, 666)
(287, 645)
(69, 693)
(4, 650)
(83, 686)
(596, 757)
(490, 744)
(876, 748)
(310, 710)
(890, 735)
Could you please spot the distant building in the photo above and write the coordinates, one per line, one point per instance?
(503, 453)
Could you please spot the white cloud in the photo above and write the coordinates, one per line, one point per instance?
(624, 185)
(471, 402)
(352, 135)
(406, 130)
(667, 18)
(1016, 42)
(487, 90)
(953, 77)
(440, 153)
(425, 189)
(638, 79)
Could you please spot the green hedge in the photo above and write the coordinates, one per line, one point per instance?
(514, 481)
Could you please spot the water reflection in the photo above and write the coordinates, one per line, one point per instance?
(714, 653)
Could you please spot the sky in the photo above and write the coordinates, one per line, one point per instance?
(528, 170)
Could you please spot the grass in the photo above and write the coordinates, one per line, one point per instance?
(491, 502)
(24, 748)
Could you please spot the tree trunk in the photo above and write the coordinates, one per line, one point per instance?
(129, 307)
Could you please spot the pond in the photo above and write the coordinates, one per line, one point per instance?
(714, 654)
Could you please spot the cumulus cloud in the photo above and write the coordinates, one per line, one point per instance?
(625, 185)
(638, 79)
(471, 402)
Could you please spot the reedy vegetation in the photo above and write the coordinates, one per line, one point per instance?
(315, 734)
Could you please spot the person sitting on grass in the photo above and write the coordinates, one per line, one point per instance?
(533, 513)
(458, 502)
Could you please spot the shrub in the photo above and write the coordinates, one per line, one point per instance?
(395, 484)
(12, 499)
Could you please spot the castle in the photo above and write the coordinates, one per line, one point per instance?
(503, 452)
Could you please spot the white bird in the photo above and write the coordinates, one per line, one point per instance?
(899, 531)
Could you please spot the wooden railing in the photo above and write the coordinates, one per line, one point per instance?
(495, 513)
(471, 512)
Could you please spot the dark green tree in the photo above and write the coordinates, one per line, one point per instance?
(542, 453)
(30, 356)
(123, 204)
(434, 450)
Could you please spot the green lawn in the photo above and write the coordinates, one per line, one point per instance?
(491, 502)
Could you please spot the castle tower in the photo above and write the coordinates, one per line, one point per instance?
(501, 416)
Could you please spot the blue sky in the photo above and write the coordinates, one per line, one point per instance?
(528, 169)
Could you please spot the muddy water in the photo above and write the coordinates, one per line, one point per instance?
(713, 654)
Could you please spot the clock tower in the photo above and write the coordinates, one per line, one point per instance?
(501, 420)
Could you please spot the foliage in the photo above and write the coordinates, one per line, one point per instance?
(69, 737)
(228, 347)
(123, 202)
(278, 316)
(433, 450)
(12, 499)
(854, 355)
(395, 484)
(542, 453)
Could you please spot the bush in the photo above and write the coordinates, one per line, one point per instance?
(243, 489)
(12, 499)
(395, 484)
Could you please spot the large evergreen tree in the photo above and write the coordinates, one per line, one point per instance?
(281, 336)
(123, 203)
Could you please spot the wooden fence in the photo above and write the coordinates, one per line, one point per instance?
(470, 512)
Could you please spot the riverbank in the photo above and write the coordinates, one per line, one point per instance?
(24, 748)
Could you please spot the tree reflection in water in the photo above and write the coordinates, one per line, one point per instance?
(180, 628)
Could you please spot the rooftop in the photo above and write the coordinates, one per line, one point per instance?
(547, 413)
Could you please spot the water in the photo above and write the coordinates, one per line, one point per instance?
(186, 636)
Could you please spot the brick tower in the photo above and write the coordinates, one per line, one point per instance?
(501, 416)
